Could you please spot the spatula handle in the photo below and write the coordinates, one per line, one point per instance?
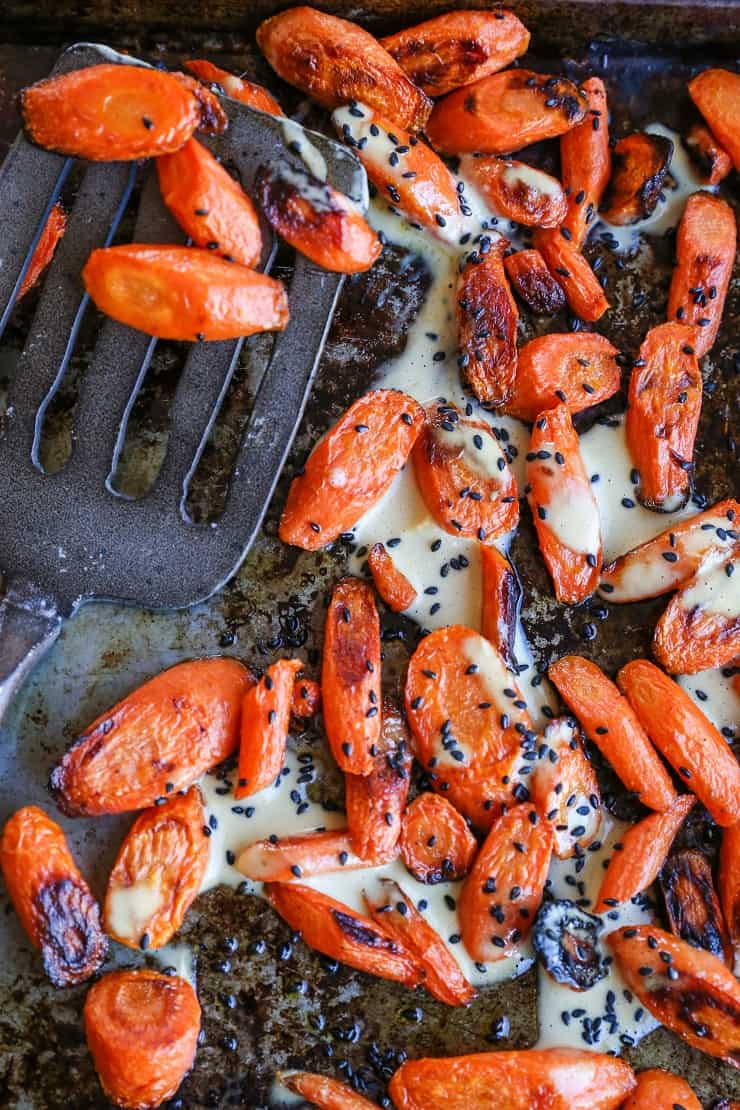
(29, 625)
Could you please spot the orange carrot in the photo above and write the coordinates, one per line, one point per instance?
(578, 369)
(565, 789)
(640, 163)
(711, 158)
(659, 1090)
(586, 163)
(716, 93)
(582, 289)
(264, 727)
(392, 585)
(323, 1092)
(519, 192)
(295, 857)
(701, 626)
(502, 595)
(436, 844)
(238, 88)
(532, 281)
(375, 803)
(51, 233)
(213, 118)
(691, 903)
(306, 698)
(487, 320)
(728, 883)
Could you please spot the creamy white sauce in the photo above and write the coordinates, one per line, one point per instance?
(178, 958)
(714, 693)
(312, 157)
(519, 173)
(573, 517)
(714, 590)
(130, 909)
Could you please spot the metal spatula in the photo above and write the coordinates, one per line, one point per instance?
(66, 537)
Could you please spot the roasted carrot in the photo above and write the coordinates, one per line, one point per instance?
(711, 158)
(350, 468)
(487, 320)
(728, 883)
(519, 192)
(323, 1092)
(463, 475)
(306, 698)
(582, 288)
(672, 558)
(469, 722)
(532, 281)
(685, 737)
(213, 118)
(578, 369)
(392, 585)
(159, 739)
(505, 112)
(692, 906)
(108, 113)
(457, 48)
(611, 724)
(375, 803)
(503, 891)
(337, 931)
(436, 844)
(350, 676)
(294, 857)
(52, 232)
(701, 626)
(585, 163)
(727, 1104)
(502, 596)
(209, 204)
(52, 900)
(394, 911)
(644, 849)
(705, 255)
(716, 93)
(659, 1090)
(265, 721)
(563, 506)
(183, 293)
(565, 789)
(640, 163)
(336, 62)
(238, 88)
(158, 872)
(663, 416)
(531, 1079)
(686, 989)
(142, 1031)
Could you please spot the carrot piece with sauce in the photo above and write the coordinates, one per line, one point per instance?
(586, 163)
(265, 721)
(436, 844)
(612, 725)
(577, 369)
(580, 284)
(350, 468)
(519, 192)
(728, 884)
(487, 321)
(392, 585)
(563, 506)
(238, 88)
(532, 281)
(323, 1092)
(565, 789)
(52, 900)
(375, 803)
(306, 698)
(213, 118)
(660, 1090)
(700, 628)
(640, 163)
(716, 93)
(300, 857)
(712, 159)
(142, 1031)
(51, 233)
(502, 596)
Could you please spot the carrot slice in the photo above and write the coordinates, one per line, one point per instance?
(705, 255)
(487, 320)
(578, 369)
(390, 908)
(692, 906)
(52, 232)
(306, 698)
(701, 626)
(716, 93)
(265, 721)
(52, 900)
(454, 49)
(238, 88)
(375, 803)
(532, 281)
(464, 477)
(183, 293)
(159, 739)
(350, 677)
(639, 165)
(350, 468)
(712, 159)
(685, 737)
(158, 872)
(336, 62)
(644, 849)
(565, 789)
(502, 596)
(519, 192)
(563, 506)
(663, 416)
(505, 112)
(213, 118)
(326, 1093)
(531, 1079)
(142, 1031)
(393, 586)
(659, 1090)
(612, 725)
(295, 857)
(111, 113)
(686, 989)
(436, 844)
(582, 288)
(469, 722)
(672, 558)
(503, 891)
(728, 883)
(586, 163)
(338, 932)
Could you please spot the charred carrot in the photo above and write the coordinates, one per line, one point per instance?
(701, 626)
(52, 900)
(336, 62)
(532, 281)
(487, 320)
(158, 872)
(505, 112)
(578, 369)
(281, 859)
(582, 288)
(375, 803)
(585, 163)
(457, 48)
(659, 1090)
(563, 506)
(716, 93)
(142, 1031)
(644, 849)
(728, 883)
(306, 698)
(463, 475)
(323, 1092)
(350, 468)
(502, 595)
(213, 118)
(338, 932)
(705, 255)
(108, 113)
(640, 163)
(392, 585)
(159, 739)
(52, 232)
(565, 789)
(265, 721)
(692, 906)
(183, 293)
(238, 88)
(519, 192)
(391, 908)
(685, 737)
(611, 724)
(711, 158)
(436, 844)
